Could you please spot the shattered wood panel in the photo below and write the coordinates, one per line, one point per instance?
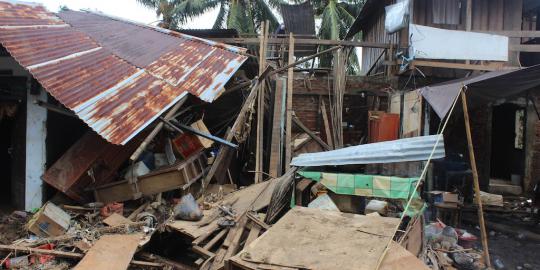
(240, 200)
(69, 174)
(162, 180)
(396, 258)
(112, 252)
(339, 240)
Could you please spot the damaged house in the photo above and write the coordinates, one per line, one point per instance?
(130, 146)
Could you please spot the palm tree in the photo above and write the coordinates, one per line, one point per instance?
(243, 15)
(336, 19)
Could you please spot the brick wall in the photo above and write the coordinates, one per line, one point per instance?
(308, 94)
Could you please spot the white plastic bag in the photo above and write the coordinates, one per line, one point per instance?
(397, 16)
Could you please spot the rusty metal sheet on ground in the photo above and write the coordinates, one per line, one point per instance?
(112, 252)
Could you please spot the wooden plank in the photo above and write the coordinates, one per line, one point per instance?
(113, 252)
(253, 234)
(299, 124)
(327, 130)
(524, 48)
(476, 182)
(260, 107)
(254, 197)
(216, 238)
(289, 110)
(276, 146)
(116, 220)
(69, 173)
(514, 33)
(238, 124)
(492, 67)
(64, 254)
(303, 41)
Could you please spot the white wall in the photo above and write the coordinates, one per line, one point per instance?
(36, 132)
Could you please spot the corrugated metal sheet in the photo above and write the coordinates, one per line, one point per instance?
(116, 85)
(138, 45)
(410, 149)
(300, 20)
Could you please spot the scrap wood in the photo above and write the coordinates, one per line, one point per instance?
(335, 239)
(301, 125)
(116, 220)
(164, 261)
(254, 197)
(72, 235)
(64, 254)
(110, 252)
(157, 129)
(137, 211)
(239, 123)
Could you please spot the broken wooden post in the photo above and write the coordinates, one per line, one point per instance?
(472, 159)
(288, 116)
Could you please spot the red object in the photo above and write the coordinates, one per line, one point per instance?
(187, 145)
(25, 261)
(112, 208)
(383, 126)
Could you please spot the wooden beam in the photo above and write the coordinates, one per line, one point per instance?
(288, 115)
(301, 125)
(301, 41)
(327, 130)
(424, 63)
(69, 255)
(476, 183)
(524, 48)
(276, 146)
(259, 148)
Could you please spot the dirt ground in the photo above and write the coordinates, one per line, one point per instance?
(512, 250)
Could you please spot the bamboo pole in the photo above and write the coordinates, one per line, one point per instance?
(288, 111)
(481, 220)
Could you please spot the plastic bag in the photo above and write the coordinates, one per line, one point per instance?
(188, 209)
(397, 16)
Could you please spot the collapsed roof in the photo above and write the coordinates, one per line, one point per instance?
(115, 75)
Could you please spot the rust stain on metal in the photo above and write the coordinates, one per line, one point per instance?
(110, 93)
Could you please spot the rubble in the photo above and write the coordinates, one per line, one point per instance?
(192, 157)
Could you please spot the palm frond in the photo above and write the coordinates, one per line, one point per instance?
(187, 9)
(262, 12)
(240, 18)
(222, 15)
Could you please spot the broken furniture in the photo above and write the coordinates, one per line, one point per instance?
(178, 176)
(91, 161)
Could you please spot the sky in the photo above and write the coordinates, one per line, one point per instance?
(128, 9)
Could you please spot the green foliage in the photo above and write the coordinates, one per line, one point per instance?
(246, 16)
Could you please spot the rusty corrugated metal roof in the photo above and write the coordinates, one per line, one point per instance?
(112, 83)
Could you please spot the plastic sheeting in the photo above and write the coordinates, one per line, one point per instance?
(483, 88)
(410, 149)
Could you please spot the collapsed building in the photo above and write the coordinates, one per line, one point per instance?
(206, 149)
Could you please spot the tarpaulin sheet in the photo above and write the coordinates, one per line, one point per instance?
(486, 87)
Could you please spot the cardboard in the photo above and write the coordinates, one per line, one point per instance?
(50, 220)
